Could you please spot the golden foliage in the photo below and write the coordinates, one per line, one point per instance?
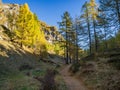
(28, 30)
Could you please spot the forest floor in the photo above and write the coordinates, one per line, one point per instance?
(71, 81)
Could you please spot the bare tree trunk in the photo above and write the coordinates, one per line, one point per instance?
(76, 43)
(67, 55)
(95, 36)
(88, 26)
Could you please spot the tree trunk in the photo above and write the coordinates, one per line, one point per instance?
(76, 44)
(88, 26)
(106, 46)
(95, 36)
(67, 47)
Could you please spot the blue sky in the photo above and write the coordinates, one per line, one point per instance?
(50, 11)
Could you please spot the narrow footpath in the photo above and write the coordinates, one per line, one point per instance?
(71, 82)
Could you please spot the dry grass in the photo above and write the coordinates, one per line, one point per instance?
(13, 58)
(100, 75)
(6, 45)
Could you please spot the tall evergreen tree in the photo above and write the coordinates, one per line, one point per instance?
(65, 28)
(111, 8)
(78, 27)
(94, 13)
(85, 17)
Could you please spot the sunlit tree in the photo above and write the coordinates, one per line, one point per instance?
(85, 17)
(93, 14)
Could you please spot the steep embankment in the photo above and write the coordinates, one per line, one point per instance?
(18, 68)
(21, 68)
(15, 63)
(101, 72)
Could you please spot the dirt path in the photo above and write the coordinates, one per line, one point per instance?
(71, 82)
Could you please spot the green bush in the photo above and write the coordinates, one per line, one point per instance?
(75, 67)
(25, 67)
(115, 63)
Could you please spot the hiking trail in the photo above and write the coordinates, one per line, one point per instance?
(71, 82)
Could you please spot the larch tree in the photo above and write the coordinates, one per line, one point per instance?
(106, 32)
(75, 40)
(85, 17)
(93, 14)
(28, 31)
(65, 29)
(22, 24)
(111, 10)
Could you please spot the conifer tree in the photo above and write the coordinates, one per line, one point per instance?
(22, 24)
(93, 14)
(85, 17)
(28, 31)
(111, 10)
(65, 27)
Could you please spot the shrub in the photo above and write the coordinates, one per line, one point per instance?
(115, 63)
(75, 67)
(48, 82)
(25, 67)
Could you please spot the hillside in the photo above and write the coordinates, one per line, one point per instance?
(99, 72)
(19, 67)
(24, 66)
(84, 54)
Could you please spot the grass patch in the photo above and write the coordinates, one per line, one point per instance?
(38, 72)
(60, 84)
(19, 82)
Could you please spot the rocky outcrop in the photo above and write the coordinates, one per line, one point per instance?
(8, 11)
(51, 33)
